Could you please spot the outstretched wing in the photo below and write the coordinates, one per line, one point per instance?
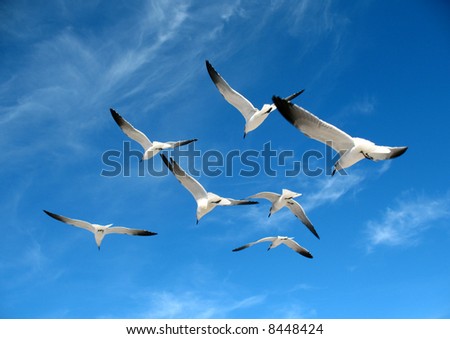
(176, 144)
(128, 231)
(299, 212)
(297, 248)
(293, 96)
(386, 152)
(130, 131)
(74, 222)
(272, 197)
(254, 243)
(233, 97)
(233, 202)
(192, 185)
(313, 127)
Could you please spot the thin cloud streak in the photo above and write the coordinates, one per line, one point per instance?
(329, 190)
(194, 305)
(71, 74)
(407, 221)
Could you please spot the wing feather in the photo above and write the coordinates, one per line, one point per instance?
(233, 202)
(386, 152)
(272, 197)
(74, 222)
(254, 243)
(128, 231)
(233, 97)
(130, 131)
(313, 127)
(299, 212)
(181, 143)
(297, 248)
(192, 185)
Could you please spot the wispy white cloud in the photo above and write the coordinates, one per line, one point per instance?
(66, 78)
(195, 305)
(365, 105)
(329, 190)
(403, 224)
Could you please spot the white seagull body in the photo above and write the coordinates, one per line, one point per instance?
(253, 116)
(150, 148)
(286, 199)
(99, 230)
(206, 201)
(351, 149)
(277, 241)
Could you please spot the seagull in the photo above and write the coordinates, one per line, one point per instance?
(253, 116)
(277, 241)
(286, 199)
(351, 149)
(206, 201)
(150, 148)
(99, 230)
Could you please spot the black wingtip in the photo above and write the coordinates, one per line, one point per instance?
(50, 214)
(307, 255)
(247, 202)
(166, 161)
(398, 152)
(53, 215)
(293, 96)
(114, 113)
(117, 117)
(284, 107)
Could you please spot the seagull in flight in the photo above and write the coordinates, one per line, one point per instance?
(253, 116)
(351, 149)
(150, 148)
(206, 201)
(277, 241)
(99, 230)
(286, 199)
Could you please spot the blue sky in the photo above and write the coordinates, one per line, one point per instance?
(377, 69)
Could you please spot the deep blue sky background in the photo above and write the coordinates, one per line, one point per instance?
(377, 69)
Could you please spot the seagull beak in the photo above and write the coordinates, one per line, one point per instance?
(334, 171)
(245, 134)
